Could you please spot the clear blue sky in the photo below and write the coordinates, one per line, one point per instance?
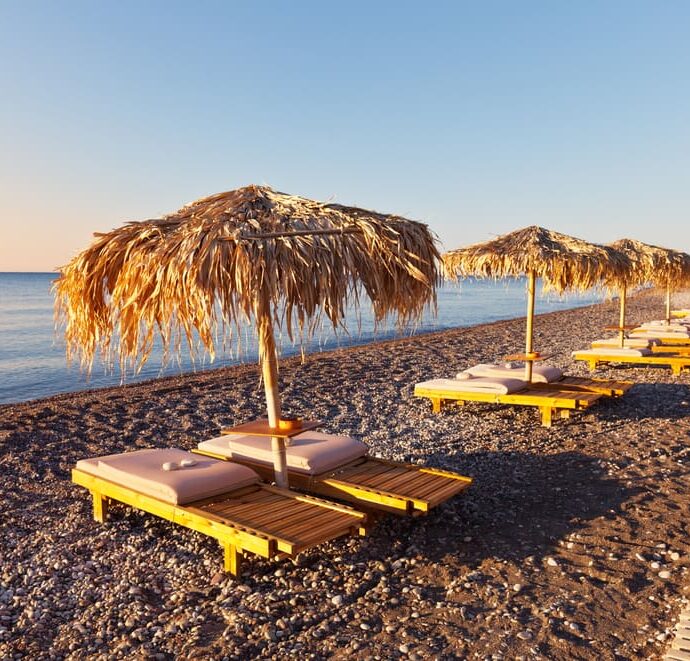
(477, 118)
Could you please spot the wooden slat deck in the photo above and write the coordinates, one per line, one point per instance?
(260, 519)
(680, 646)
(421, 488)
(609, 387)
(676, 362)
(299, 523)
(374, 483)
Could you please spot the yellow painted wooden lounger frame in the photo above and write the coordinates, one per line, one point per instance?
(373, 483)
(675, 361)
(547, 400)
(260, 504)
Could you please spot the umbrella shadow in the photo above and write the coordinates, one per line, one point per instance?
(520, 505)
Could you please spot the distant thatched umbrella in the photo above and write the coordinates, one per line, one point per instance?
(562, 262)
(223, 260)
(661, 267)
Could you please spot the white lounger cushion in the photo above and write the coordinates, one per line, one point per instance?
(311, 452)
(540, 373)
(614, 352)
(142, 471)
(496, 386)
(630, 342)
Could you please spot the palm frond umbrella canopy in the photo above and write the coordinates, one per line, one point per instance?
(225, 260)
(661, 267)
(562, 262)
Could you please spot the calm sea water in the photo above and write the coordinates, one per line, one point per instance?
(32, 354)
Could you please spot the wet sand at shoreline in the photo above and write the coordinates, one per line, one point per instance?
(572, 543)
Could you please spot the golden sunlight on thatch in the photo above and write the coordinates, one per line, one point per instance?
(562, 262)
(661, 267)
(229, 258)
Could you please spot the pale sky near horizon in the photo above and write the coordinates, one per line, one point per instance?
(475, 117)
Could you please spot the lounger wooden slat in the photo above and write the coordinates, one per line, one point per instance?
(604, 386)
(237, 537)
(405, 500)
(306, 526)
(286, 518)
(249, 501)
(381, 497)
(379, 478)
(368, 471)
(428, 490)
(296, 519)
(414, 483)
(440, 494)
(263, 514)
(391, 478)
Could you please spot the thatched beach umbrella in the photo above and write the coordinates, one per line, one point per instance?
(661, 267)
(225, 260)
(562, 262)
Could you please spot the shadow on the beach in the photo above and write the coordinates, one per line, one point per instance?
(669, 401)
(520, 505)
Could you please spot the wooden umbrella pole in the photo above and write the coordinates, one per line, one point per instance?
(269, 370)
(621, 319)
(531, 282)
(668, 302)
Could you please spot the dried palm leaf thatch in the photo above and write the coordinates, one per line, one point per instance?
(562, 262)
(662, 267)
(219, 262)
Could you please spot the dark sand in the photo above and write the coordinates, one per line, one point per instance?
(558, 551)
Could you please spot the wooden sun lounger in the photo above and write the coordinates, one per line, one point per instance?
(373, 483)
(258, 519)
(666, 341)
(675, 361)
(677, 349)
(547, 400)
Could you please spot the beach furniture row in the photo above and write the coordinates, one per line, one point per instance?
(658, 343)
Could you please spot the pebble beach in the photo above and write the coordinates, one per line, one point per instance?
(572, 543)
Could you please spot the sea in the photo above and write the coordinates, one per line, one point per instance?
(32, 350)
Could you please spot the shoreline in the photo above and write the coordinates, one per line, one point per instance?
(242, 366)
(555, 552)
